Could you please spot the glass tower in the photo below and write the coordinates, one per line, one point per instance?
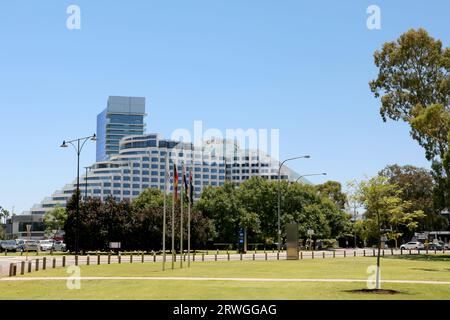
(123, 116)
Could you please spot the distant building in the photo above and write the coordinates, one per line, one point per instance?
(129, 163)
(123, 116)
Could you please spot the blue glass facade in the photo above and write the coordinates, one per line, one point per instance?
(124, 116)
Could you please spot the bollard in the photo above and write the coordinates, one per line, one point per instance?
(401, 251)
(142, 257)
(410, 251)
(29, 266)
(131, 258)
(383, 252)
(228, 256)
(215, 257)
(265, 254)
(22, 267)
(324, 255)
(278, 256)
(426, 250)
(203, 257)
(193, 257)
(37, 265)
(76, 260)
(98, 259)
(392, 251)
(119, 257)
(435, 251)
(345, 253)
(15, 270)
(312, 254)
(253, 257)
(418, 251)
(364, 252)
(241, 256)
(301, 255)
(44, 263)
(109, 258)
(154, 256)
(373, 253)
(11, 266)
(334, 254)
(54, 263)
(88, 260)
(64, 261)
(354, 253)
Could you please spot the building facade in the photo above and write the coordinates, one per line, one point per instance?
(123, 116)
(130, 161)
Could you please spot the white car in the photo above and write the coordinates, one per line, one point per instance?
(46, 245)
(412, 245)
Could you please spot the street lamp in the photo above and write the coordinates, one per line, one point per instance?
(78, 145)
(310, 175)
(279, 195)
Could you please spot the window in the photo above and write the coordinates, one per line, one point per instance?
(126, 178)
(136, 179)
(126, 185)
(136, 186)
(117, 185)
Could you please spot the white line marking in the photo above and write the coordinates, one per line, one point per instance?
(218, 279)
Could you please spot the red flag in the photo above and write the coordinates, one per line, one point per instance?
(175, 181)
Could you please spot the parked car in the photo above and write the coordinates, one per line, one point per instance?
(444, 245)
(46, 245)
(8, 245)
(412, 245)
(435, 246)
(59, 246)
(27, 245)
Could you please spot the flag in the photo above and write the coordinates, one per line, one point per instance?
(175, 181)
(186, 189)
(191, 188)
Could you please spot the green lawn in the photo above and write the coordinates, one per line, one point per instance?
(436, 268)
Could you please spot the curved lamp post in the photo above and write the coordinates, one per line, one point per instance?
(78, 145)
(310, 175)
(279, 195)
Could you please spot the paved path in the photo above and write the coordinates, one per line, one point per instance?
(215, 279)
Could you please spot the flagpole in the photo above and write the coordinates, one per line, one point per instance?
(173, 220)
(189, 220)
(181, 213)
(164, 215)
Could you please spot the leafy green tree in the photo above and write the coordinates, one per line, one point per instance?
(333, 191)
(385, 209)
(417, 187)
(4, 214)
(55, 220)
(414, 86)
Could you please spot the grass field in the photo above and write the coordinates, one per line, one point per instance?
(429, 268)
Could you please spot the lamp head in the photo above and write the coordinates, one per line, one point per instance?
(64, 145)
(94, 137)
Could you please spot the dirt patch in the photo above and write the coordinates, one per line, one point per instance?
(375, 291)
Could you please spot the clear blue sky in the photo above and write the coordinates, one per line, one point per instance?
(300, 66)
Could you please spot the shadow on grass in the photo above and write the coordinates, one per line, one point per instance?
(375, 291)
(421, 257)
